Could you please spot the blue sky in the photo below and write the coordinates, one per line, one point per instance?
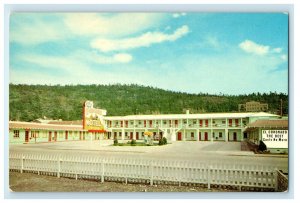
(230, 53)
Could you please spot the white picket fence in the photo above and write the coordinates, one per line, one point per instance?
(146, 170)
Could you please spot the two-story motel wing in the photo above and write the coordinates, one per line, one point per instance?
(193, 127)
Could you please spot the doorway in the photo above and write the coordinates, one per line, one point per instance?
(206, 136)
(179, 136)
(234, 136)
(27, 136)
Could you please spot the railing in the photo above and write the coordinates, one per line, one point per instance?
(145, 170)
(191, 125)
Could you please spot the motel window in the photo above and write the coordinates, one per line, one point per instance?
(220, 134)
(142, 134)
(16, 134)
(213, 134)
(192, 135)
(120, 134)
(34, 134)
(194, 121)
(223, 122)
(126, 134)
(165, 122)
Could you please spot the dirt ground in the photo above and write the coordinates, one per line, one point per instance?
(29, 182)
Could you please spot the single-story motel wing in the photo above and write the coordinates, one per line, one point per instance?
(226, 127)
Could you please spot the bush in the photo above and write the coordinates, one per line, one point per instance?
(164, 140)
(116, 142)
(262, 146)
(133, 142)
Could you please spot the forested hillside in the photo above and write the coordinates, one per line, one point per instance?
(29, 102)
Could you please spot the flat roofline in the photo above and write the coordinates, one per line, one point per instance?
(192, 116)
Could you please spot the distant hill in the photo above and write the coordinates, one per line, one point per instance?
(29, 102)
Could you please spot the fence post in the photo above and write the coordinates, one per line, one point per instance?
(208, 177)
(102, 170)
(151, 173)
(276, 179)
(59, 167)
(22, 163)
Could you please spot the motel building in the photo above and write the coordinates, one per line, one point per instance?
(212, 127)
(184, 127)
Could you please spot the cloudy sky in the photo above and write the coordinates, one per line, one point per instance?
(230, 53)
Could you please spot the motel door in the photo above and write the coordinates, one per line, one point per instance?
(234, 136)
(236, 122)
(50, 136)
(206, 136)
(27, 136)
(160, 135)
(179, 136)
(199, 136)
(230, 122)
(137, 135)
(66, 135)
(206, 123)
(131, 135)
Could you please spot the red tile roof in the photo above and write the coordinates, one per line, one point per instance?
(42, 126)
(269, 124)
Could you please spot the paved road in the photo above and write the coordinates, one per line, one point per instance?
(201, 151)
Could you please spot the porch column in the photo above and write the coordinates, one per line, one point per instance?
(242, 135)
(226, 134)
(123, 134)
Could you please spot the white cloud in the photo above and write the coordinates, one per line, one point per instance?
(145, 40)
(122, 58)
(35, 30)
(108, 25)
(251, 47)
(76, 62)
(177, 15)
(277, 50)
(284, 57)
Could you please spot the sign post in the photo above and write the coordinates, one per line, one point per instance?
(92, 119)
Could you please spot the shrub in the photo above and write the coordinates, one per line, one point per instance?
(133, 142)
(164, 140)
(262, 146)
(116, 142)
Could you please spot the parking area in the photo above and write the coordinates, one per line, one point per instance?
(176, 148)
(180, 150)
